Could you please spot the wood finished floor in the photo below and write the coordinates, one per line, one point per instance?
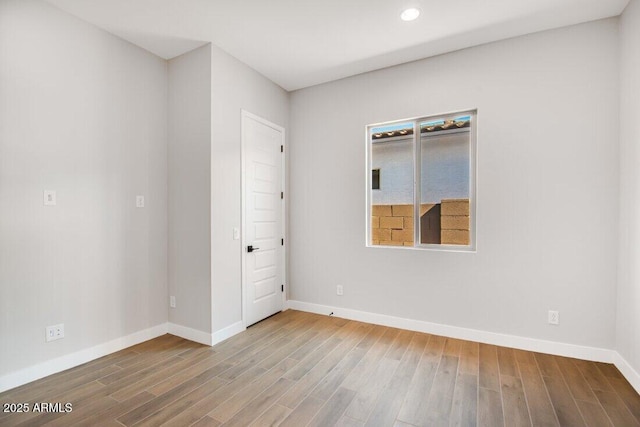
(298, 369)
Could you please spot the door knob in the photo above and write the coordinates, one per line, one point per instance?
(250, 248)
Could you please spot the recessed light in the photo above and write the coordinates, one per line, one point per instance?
(410, 14)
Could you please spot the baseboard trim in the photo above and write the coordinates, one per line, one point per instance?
(62, 363)
(228, 332)
(190, 333)
(627, 370)
(205, 337)
(50, 367)
(523, 343)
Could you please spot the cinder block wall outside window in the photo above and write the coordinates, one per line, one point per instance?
(392, 225)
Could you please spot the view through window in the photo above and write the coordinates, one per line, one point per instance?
(427, 199)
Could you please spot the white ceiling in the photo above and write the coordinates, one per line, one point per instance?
(300, 43)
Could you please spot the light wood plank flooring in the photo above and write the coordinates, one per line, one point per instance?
(300, 369)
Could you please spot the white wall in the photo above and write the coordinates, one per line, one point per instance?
(547, 189)
(190, 189)
(444, 169)
(208, 89)
(395, 161)
(628, 326)
(234, 86)
(83, 113)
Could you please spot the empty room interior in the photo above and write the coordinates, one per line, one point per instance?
(382, 213)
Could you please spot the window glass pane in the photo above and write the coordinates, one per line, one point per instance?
(445, 147)
(375, 179)
(392, 206)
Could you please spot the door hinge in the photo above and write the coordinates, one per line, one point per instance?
(282, 148)
(282, 242)
(282, 194)
(282, 288)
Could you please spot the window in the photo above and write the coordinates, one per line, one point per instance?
(375, 179)
(428, 199)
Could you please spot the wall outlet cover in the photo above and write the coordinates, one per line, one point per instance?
(49, 197)
(54, 332)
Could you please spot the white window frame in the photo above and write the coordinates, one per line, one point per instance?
(417, 146)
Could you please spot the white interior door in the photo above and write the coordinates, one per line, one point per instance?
(263, 265)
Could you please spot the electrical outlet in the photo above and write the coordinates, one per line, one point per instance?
(54, 332)
(339, 290)
(554, 317)
(172, 301)
(49, 197)
(139, 201)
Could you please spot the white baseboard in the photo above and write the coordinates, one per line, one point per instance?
(228, 332)
(523, 343)
(189, 333)
(205, 337)
(68, 361)
(625, 368)
(50, 367)
(71, 360)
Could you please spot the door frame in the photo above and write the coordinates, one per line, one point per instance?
(244, 115)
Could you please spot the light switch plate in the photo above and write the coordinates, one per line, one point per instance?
(49, 197)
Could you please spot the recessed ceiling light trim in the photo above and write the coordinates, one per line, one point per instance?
(410, 14)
